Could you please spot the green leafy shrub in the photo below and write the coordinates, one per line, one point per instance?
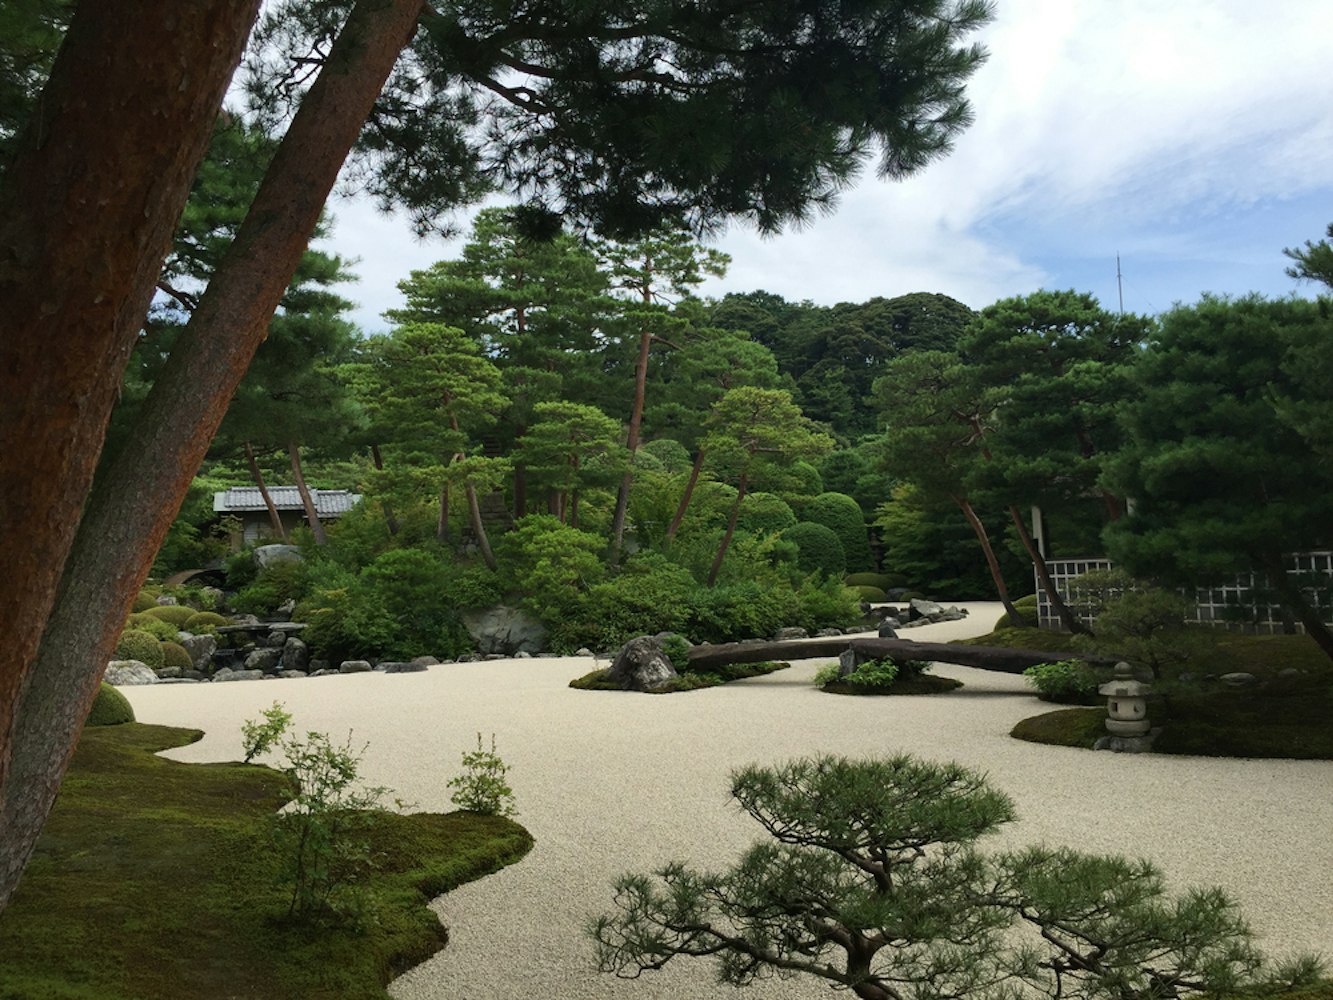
(550, 564)
(843, 515)
(110, 708)
(881, 580)
(652, 595)
(824, 602)
(135, 644)
(279, 582)
(259, 737)
(872, 595)
(1027, 610)
(1067, 682)
(820, 550)
(156, 627)
(176, 655)
(204, 622)
(482, 788)
(677, 649)
(742, 610)
(673, 456)
(240, 569)
(172, 614)
(1145, 626)
(764, 513)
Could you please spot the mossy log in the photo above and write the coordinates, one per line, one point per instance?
(999, 658)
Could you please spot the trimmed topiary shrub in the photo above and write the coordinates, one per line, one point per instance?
(202, 622)
(873, 595)
(1027, 609)
(144, 601)
(881, 580)
(820, 551)
(110, 708)
(156, 627)
(138, 645)
(765, 514)
(172, 614)
(176, 655)
(843, 515)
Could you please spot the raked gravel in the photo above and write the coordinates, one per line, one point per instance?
(609, 782)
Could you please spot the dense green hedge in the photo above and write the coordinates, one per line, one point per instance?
(820, 548)
(842, 514)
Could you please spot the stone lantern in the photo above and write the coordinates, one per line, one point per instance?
(1126, 703)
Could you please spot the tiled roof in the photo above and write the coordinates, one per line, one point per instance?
(328, 503)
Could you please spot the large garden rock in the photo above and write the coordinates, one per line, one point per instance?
(295, 655)
(642, 665)
(403, 668)
(124, 673)
(786, 634)
(924, 609)
(506, 631)
(355, 667)
(264, 660)
(237, 675)
(200, 647)
(268, 555)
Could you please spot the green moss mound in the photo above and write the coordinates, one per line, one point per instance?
(689, 680)
(156, 880)
(176, 655)
(144, 601)
(819, 550)
(873, 595)
(925, 684)
(203, 621)
(110, 708)
(156, 627)
(1070, 727)
(173, 614)
(142, 646)
(1027, 609)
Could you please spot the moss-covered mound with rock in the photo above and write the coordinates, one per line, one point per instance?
(110, 708)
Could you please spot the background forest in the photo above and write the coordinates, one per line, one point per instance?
(556, 420)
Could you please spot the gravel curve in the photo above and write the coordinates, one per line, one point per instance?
(609, 782)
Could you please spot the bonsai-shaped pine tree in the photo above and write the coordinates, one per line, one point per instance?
(872, 882)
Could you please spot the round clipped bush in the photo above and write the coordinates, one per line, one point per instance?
(881, 580)
(144, 601)
(1027, 610)
(156, 627)
(110, 708)
(204, 621)
(672, 454)
(819, 549)
(764, 514)
(136, 644)
(843, 515)
(172, 614)
(176, 655)
(873, 595)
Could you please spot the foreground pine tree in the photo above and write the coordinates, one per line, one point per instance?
(872, 882)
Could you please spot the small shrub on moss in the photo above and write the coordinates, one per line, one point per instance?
(482, 788)
(1027, 610)
(826, 602)
(1068, 682)
(176, 655)
(138, 645)
(677, 649)
(173, 614)
(110, 708)
(156, 627)
(204, 622)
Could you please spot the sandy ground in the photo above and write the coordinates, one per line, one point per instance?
(609, 782)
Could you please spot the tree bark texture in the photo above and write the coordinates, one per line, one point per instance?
(87, 210)
(1067, 617)
(307, 501)
(135, 498)
(632, 439)
(274, 518)
(997, 658)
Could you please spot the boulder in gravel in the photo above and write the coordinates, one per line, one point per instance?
(200, 647)
(126, 673)
(295, 655)
(168, 673)
(924, 609)
(238, 675)
(829, 632)
(428, 661)
(642, 665)
(404, 668)
(354, 667)
(264, 660)
(292, 674)
(505, 630)
(786, 634)
(887, 631)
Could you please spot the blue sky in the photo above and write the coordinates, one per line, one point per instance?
(1192, 137)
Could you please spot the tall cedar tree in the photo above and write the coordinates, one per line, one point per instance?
(625, 116)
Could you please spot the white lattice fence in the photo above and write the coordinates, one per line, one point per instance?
(1244, 602)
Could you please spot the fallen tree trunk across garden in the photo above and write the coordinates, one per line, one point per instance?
(1000, 658)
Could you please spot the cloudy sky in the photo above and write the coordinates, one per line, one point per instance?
(1192, 137)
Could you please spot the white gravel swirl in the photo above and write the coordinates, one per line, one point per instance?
(609, 782)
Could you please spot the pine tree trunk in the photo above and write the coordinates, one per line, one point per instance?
(389, 517)
(135, 498)
(442, 520)
(731, 530)
(574, 496)
(1291, 595)
(307, 501)
(274, 518)
(479, 526)
(88, 205)
(685, 497)
(1067, 617)
(631, 442)
(994, 564)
